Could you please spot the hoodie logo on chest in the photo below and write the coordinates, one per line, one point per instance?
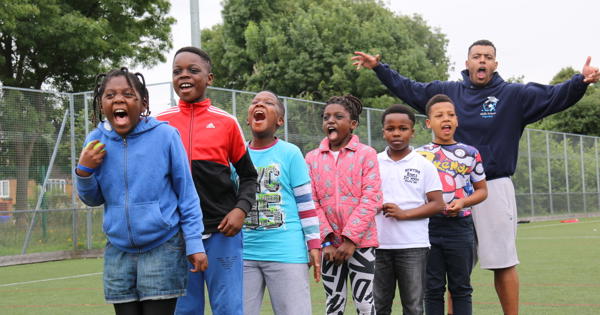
(488, 108)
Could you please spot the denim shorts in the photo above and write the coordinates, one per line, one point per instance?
(160, 273)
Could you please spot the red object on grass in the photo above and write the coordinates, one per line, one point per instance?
(569, 221)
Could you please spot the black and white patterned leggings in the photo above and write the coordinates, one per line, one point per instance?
(360, 268)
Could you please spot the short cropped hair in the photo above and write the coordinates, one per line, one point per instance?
(197, 51)
(438, 98)
(399, 109)
(482, 42)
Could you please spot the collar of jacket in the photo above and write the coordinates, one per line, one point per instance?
(352, 144)
(204, 103)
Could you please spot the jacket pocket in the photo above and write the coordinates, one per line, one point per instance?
(147, 222)
(115, 227)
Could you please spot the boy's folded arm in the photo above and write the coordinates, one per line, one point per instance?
(308, 215)
(479, 195)
(435, 204)
(246, 196)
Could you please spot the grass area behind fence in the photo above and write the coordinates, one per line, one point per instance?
(559, 274)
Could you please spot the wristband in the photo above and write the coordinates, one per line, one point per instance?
(86, 169)
(325, 244)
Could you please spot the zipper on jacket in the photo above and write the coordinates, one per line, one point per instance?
(127, 217)
(191, 135)
(340, 216)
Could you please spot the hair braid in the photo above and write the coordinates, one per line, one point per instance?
(135, 80)
(350, 102)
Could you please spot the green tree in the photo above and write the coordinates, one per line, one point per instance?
(303, 48)
(64, 44)
(580, 118)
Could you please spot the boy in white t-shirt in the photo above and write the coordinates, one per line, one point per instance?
(412, 193)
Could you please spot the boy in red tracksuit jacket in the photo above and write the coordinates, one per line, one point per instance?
(213, 140)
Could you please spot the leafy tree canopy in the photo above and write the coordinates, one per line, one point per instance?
(303, 47)
(64, 43)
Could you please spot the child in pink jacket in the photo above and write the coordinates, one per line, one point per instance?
(346, 190)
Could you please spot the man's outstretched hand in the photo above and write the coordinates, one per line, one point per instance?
(590, 74)
(365, 60)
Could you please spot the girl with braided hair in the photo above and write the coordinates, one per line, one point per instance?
(137, 167)
(346, 192)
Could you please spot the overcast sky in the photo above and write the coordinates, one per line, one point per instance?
(534, 38)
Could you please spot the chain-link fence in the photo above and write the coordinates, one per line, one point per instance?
(41, 134)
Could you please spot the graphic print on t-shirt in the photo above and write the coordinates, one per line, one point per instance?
(458, 165)
(266, 213)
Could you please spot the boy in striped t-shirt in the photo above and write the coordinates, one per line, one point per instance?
(281, 231)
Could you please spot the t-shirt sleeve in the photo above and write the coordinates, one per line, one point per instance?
(432, 179)
(298, 169)
(477, 172)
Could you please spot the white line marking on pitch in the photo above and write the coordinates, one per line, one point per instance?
(556, 224)
(525, 238)
(51, 279)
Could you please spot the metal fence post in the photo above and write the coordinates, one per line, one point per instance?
(172, 94)
(88, 218)
(233, 103)
(566, 172)
(531, 202)
(550, 195)
(582, 174)
(597, 172)
(368, 127)
(285, 119)
(73, 198)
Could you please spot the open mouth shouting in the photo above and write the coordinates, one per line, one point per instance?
(481, 73)
(120, 117)
(331, 131)
(259, 115)
(446, 128)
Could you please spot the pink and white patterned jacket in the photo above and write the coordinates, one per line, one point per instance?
(347, 194)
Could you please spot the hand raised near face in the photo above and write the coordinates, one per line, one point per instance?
(91, 157)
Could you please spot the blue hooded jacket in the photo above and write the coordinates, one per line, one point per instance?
(491, 118)
(146, 187)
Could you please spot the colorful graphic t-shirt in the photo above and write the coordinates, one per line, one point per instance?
(459, 165)
(272, 229)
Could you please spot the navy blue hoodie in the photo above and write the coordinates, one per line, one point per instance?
(492, 117)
